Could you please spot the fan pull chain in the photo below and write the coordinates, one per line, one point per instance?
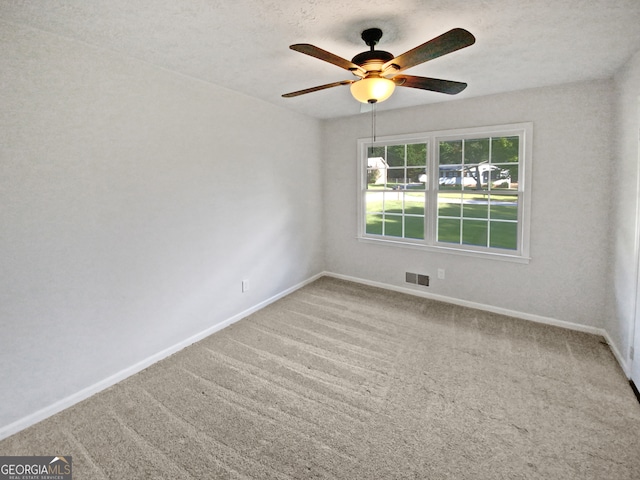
(373, 120)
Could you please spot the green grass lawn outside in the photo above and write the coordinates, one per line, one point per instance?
(459, 223)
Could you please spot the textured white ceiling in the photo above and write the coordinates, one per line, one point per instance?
(243, 44)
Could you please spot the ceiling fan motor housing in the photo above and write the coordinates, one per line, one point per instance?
(373, 56)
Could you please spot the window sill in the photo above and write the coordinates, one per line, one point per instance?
(503, 257)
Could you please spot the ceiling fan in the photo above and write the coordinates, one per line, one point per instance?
(378, 70)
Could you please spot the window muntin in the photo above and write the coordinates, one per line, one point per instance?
(460, 191)
(475, 177)
(395, 190)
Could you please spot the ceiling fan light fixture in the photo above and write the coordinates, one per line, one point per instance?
(372, 89)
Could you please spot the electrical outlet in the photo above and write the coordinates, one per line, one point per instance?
(245, 286)
(441, 273)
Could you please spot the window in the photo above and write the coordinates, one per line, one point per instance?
(463, 191)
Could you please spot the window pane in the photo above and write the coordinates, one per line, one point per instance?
(378, 151)
(475, 177)
(373, 201)
(414, 203)
(451, 152)
(376, 178)
(504, 149)
(416, 177)
(474, 232)
(414, 227)
(504, 235)
(399, 180)
(393, 225)
(449, 230)
(503, 177)
(395, 177)
(475, 206)
(417, 154)
(449, 205)
(374, 224)
(476, 151)
(450, 177)
(504, 207)
(395, 155)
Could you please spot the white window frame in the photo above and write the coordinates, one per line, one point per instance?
(523, 130)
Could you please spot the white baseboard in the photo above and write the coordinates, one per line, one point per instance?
(87, 392)
(503, 311)
(626, 368)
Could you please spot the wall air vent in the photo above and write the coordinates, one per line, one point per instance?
(417, 279)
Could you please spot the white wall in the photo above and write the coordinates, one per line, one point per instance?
(624, 256)
(133, 201)
(567, 277)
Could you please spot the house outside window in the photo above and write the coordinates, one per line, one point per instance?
(461, 191)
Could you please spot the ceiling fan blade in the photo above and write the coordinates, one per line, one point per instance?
(316, 52)
(315, 89)
(446, 43)
(434, 84)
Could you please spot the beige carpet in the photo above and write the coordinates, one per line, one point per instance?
(344, 381)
